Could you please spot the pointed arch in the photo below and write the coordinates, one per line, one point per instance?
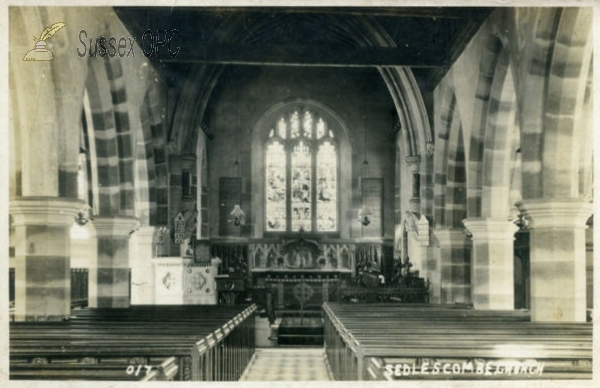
(568, 70)
(499, 141)
(447, 122)
(492, 46)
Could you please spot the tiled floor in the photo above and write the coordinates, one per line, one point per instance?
(287, 364)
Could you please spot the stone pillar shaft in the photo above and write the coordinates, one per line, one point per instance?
(455, 266)
(109, 275)
(492, 263)
(432, 272)
(171, 248)
(42, 257)
(414, 163)
(557, 259)
(142, 270)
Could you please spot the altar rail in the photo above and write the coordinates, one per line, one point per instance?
(209, 343)
(395, 341)
(390, 294)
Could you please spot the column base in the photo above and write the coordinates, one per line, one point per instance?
(492, 263)
(558, 259)
(43, 256)
(455, 266)
(109, 282)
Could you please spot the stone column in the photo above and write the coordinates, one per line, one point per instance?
(434, 275)
(189, 181)
(171, 248)
(557, 259)
(492, 263)
(414, 204)
(455, 266)
(109, 274)
(142, 269)
(42, 256)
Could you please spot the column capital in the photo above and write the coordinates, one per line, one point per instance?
(114, 226)
(448, 236)
(558, 213)
(414, 205)
(188, 158)
(491, 228)
(50, 211)
(416, 159)
(174, 162)
(146, 232)
(414, 162)
(145, 235)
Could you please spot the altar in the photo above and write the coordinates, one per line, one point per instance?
(301, 272)
(300, 290)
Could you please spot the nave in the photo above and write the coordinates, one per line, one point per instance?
(404, 191)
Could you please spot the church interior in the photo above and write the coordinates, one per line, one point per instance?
(301, 193)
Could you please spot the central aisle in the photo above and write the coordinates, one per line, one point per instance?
(287, 364)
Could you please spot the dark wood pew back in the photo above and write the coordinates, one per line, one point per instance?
(395, 341)
(201, 338)
(165, 371)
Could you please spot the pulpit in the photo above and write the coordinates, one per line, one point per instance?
(179, 281)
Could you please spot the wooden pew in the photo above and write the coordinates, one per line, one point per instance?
(164, 371)
(200, 337)
(157, 345)
(385, 342)
(236, 347)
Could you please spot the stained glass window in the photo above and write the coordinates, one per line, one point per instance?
(307, 124)
(301, 187)
(301, 165)
(281, 128)
(320, 128)
(326, 187)
(276, 187)
(295, 124)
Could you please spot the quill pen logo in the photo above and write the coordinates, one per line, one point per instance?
(41, 52)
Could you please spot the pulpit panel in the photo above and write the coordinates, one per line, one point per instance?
(178, 281)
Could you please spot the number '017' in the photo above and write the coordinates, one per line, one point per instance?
(132, 370)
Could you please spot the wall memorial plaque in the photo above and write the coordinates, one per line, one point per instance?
(372, 197)
(230, 194)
